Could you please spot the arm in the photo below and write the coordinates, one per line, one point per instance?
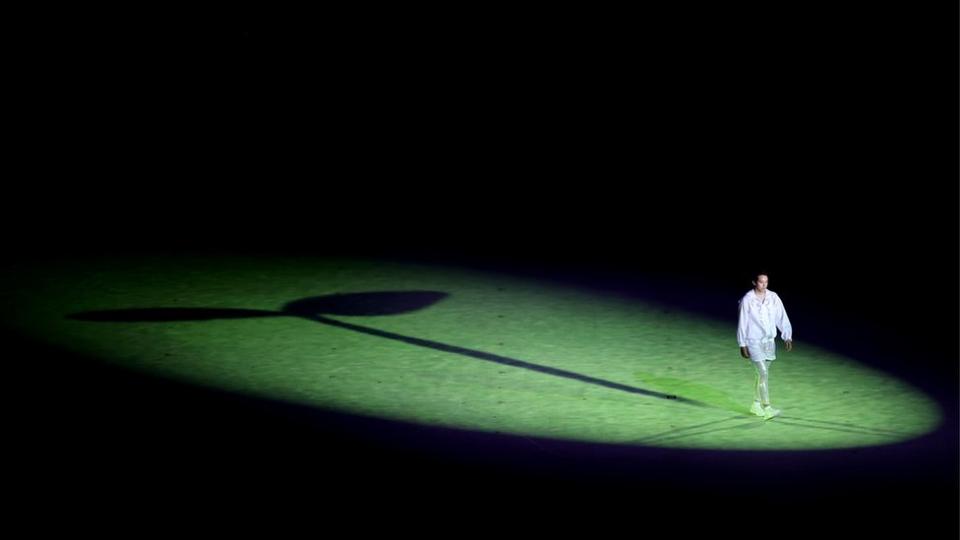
(742, 331)
(783, 324)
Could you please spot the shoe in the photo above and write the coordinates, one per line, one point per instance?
(756, 408)
(769, 412)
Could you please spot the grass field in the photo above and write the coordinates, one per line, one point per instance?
(455, 347)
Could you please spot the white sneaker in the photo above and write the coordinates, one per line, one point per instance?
(769, 412)
(756, 408)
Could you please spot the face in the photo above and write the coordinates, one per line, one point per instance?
(761, 282)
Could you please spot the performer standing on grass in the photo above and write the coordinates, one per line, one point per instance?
(761, 315)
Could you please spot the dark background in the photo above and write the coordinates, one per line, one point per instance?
(683, 148)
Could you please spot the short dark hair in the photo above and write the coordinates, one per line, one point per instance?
(758, 274)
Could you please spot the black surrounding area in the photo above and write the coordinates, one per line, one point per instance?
(660, 154)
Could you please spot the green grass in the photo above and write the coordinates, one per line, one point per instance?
(829, 401)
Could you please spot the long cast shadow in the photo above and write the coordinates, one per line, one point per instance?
(362, 304)
(507, 361)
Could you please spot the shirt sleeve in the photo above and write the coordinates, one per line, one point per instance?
(783, 322)
(742, 326)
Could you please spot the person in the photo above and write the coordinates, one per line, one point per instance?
(761, 315)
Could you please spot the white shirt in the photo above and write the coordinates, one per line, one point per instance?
(761, 317)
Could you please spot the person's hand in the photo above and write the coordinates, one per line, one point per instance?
(744, 352)
(789, 344)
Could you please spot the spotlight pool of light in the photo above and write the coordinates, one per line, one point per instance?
(459, 348)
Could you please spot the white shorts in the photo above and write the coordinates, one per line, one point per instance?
(766, 350)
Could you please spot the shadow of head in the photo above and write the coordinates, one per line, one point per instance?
(356, 304)
(364, 304)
